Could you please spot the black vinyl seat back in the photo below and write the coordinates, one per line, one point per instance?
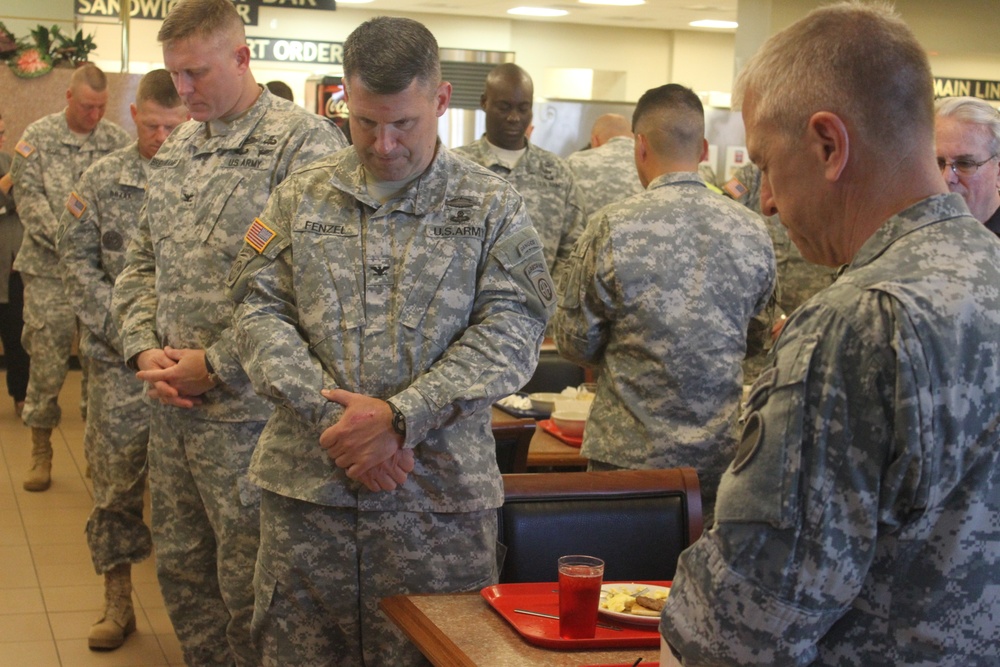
(638, 522)
(513, 439)
(554, 374)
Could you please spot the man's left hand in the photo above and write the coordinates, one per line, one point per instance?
(189, 376)
(363, 437)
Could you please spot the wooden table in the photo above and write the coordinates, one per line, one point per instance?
(462, 630)
(546, 450)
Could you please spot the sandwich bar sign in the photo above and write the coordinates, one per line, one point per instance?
(156, 10)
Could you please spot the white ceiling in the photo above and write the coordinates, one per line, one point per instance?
(656, 14)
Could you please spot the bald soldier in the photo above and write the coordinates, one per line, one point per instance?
(543, 179)
(206, 185)
(50, 157)
(605, 172)
(96, 226)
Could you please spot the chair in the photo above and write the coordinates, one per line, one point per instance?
(554, 374)
(637, 521)
(513, 438)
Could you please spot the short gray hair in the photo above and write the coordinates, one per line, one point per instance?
(975, 111)
(858, 61)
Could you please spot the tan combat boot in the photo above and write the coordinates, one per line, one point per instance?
(39, 477)
(118, 621)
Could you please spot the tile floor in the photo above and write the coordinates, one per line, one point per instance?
(49, 594)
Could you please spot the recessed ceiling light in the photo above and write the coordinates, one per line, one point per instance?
(711, 23)
(537, 11)
(614, 3)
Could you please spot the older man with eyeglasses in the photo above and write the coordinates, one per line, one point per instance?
(968, 154)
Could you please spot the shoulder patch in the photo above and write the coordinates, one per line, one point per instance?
(24, 149)
(259, 235)
(735, 188)
(76, 205)
(537, 274)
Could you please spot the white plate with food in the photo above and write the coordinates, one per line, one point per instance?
(633, 603)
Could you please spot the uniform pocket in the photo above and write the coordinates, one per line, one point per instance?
(761, 484)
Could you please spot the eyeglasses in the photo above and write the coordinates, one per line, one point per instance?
(963, 167)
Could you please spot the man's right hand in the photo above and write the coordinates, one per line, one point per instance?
(389, 474)
(156, 359)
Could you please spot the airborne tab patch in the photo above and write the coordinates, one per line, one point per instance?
(259, 235)
(75, 205)
(24, 149)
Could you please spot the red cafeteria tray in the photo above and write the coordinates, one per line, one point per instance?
(544, 598)
(550, 426)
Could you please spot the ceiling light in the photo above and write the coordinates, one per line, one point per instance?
(353, 2)
(711, 23)
(615, 3)
(537, 11)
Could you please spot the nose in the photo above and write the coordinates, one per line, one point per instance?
(949, 173)
(767, 205)
(385, 141)
(182, 83)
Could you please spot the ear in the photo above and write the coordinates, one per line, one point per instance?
(133, 111)
(828, 138)
(641, 148)
(482, 101)
(442, 97)
(69, 94)
(243, 58)
(704, 151)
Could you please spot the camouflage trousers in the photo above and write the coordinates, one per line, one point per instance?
(322, 571)
(115, 444)
(206, 527)
(49, 328)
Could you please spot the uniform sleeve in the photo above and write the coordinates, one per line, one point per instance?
(79, 246)
(133, 300)
(497, 353)
(574, 222)
(798, 509)
(40, 222)
(587, 303)
(319, 140)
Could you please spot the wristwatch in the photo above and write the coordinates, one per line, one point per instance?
(398, 419)
(212, 375)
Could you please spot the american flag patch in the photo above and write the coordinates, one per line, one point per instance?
(259, 235)
(24, 149)
(75, 205)
(735, 188)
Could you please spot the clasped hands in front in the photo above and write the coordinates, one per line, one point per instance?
(362, 442)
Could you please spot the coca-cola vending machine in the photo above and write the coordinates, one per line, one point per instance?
(325, 96)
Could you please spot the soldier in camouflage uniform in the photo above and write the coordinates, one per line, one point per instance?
(859, 523)
(407, 284)
(542, 178)
(95, 229)
(209, 179)
(658, 296)
(50, 157)
(605, 173)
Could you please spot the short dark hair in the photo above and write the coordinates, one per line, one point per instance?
(156, 85)
(281, 89)
(387, 54)
(205, 18)
(673, 120)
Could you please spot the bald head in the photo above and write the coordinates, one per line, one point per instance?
(507, 102)
(609, 126)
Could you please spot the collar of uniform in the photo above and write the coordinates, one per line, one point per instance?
(231, 135)
(489, 159)
(425, 193)
(676, 178)
(71, 138)
(934, 209)
(132, 174)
